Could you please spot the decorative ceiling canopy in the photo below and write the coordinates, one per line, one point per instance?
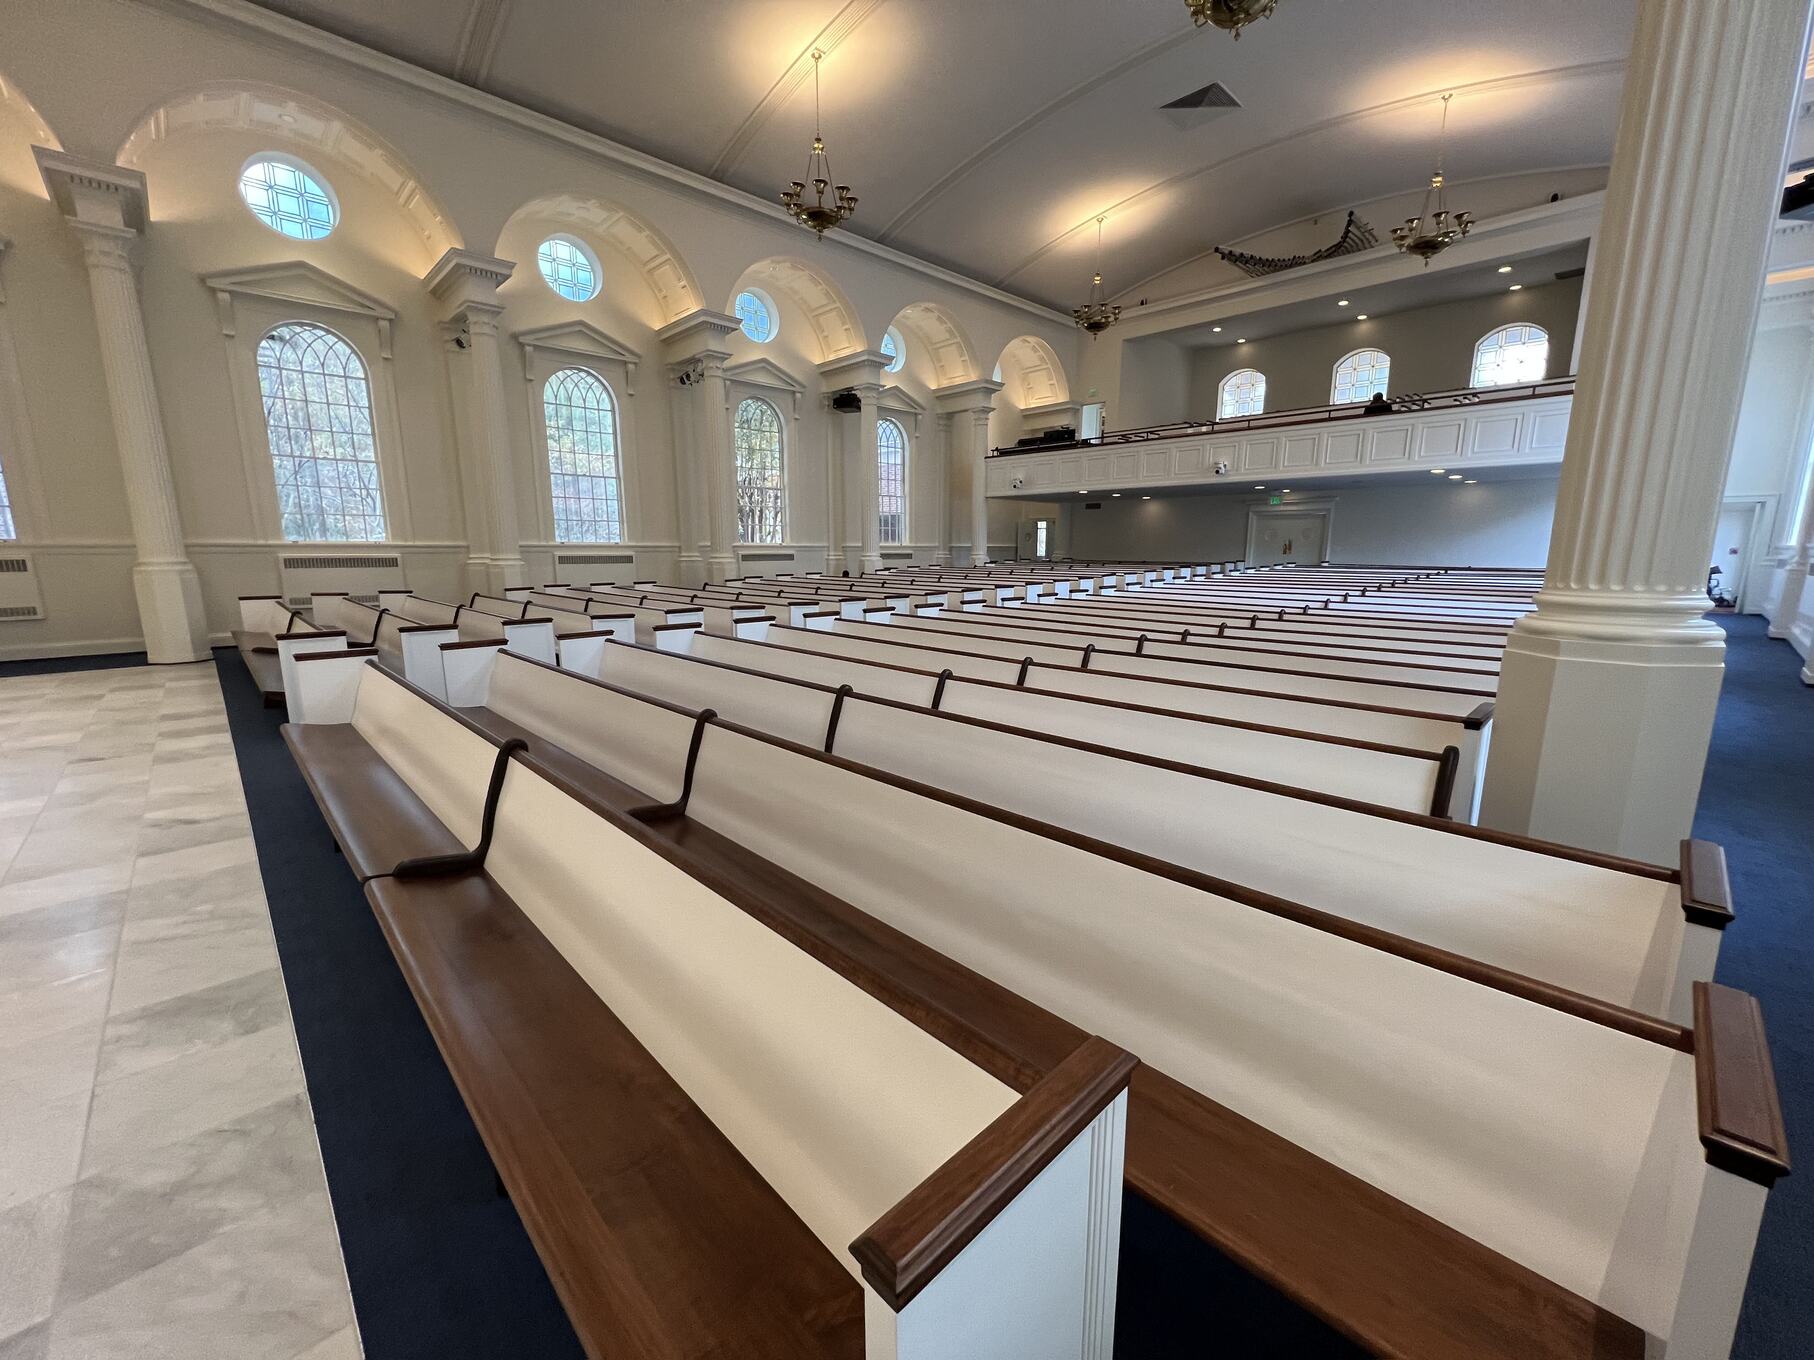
(1356, 236)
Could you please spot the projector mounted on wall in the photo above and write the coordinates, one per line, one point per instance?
(846, 401)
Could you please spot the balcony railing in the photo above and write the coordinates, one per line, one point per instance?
(1406, 404)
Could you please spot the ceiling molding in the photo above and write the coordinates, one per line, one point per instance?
(842, 25)
(283, 32)
(1584, 71)
(1027, 124)
(479, 38)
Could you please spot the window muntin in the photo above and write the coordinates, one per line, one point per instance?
(896, 350)
(1359, 375)
(318, 420)
(891, 481)
(1511, 354)
(288, 197)
(569, 267)
(1243, 393)
(8, 529)
(584, 475)
(757, 313)
(761, 485)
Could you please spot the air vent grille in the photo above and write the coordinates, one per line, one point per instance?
(14, 564)
(20, 611)
(766, 557)
(897, 557)
(596, 559)
(340, 563)
(1214, 95)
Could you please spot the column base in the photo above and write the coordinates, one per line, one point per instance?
(870, 562)
(719, 569)
(1792, 599)
(495, 575)
(692, 570)
(171, 612)
(1601, 743)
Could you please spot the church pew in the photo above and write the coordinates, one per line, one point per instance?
(1526, 1165)
(720, 1140)
(1635, 935)
(267, 637)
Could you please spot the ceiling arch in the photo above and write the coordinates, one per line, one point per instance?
(828, 311)
(13, 99)
(1032, 373)
(660, 265)
(289, 120)
(942, 338)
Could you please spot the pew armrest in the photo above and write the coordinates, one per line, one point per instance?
(1706, 888)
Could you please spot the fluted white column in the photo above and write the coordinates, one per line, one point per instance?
(468, 284)
(947, 436)
(106, 206)
(861, 375)
(969, 407)
(706, 464)
(1607, 696)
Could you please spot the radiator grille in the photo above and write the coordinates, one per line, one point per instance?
(595, 559)
(20, 611)
(340, 563)
(766, 557)
(14, 564)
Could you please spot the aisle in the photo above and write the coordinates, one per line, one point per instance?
(1758, 801)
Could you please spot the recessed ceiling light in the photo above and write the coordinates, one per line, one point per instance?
(1436, 471)
(1117, 495)
(1260, 487)
(1216, 329)
(1515, 288)
(1341, 302)
(1146, 498)
(1505, 269)
(1361, 317)
(1284, 491)
(1454, 476)
(1241, 340)
(1472, 481)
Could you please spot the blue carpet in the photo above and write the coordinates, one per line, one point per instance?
(52, 665)
(1757, 800)
(440, 1265)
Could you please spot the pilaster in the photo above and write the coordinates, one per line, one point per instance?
(106, 206)
(468, 286)
(1607, 695)
(705, 462)
(861, 374)
(969, 408)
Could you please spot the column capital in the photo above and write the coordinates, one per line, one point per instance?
(956, 398)
(94, 194)
(862, 369)
(468, 283)
(698, 334)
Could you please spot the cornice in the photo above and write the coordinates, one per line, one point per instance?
(94, 193)
(283, 31)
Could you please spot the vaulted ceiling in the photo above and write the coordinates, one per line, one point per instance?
(988, 135)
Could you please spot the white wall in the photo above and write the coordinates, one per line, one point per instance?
(1492, 524)
(419, 165)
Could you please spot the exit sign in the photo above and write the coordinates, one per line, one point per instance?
(1275, 500)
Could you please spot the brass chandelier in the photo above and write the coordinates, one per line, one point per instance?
(818, 214)
(1233, 15)
(1433, 230)
(1096, 315)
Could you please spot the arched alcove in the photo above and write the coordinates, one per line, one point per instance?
(936, 339)
(1032, 373)
(21, 128)
(833, 321)
(616, 232)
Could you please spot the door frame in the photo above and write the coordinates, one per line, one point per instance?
(1757, 548)
(1323, 508)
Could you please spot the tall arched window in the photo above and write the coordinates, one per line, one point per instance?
(761, 484)
(891, 480)
(318, 419)
(1243, 393)
(1511, 354)
(1359, 375)
(8, 530)
(583, 471)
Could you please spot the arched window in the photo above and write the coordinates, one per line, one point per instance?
(1243, 393)
(756, 310)
(569, 267)
(891, 480)
(318, 418)
(583, 470)
(1511, 354)
(288, 197)
(761, 485)
(8, 530)
(896, 350)
(1360, 375)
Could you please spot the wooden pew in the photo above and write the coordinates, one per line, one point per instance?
(270, 633)
(1438, 1158)
(720, 1143)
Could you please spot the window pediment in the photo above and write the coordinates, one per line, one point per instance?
(296, 282)
(568, 341)
(765, 374)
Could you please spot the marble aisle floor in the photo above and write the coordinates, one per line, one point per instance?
(161, 1188)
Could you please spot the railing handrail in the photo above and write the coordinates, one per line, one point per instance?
(1409, 403)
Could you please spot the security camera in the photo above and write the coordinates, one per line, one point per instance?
(1221, 469)
(1019, 482)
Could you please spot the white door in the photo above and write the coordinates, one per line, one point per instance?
(1732, 550)
(1286, 537)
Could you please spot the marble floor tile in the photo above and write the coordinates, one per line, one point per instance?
(189, 1095)
(135, 1040)
(43, 1142)
(32, 1235)
(31, 1344)
(71, 885)
(342, 1345)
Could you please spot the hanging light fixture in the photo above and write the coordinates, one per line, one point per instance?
(1096, 315)
(1233, 15)
(1433, 230)
(818, 214)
